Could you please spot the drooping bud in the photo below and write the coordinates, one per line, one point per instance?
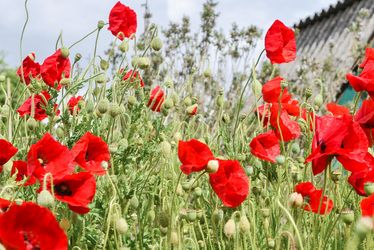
(244, 224)
(156, 44)
(295, 148)
(165, 149)
(60, 132)
(32, 124)
(114, 110)
(143, 62)
(134, 202)
(308, 93)
(168, 103)
(104, 65)
(364, 226)
(103, 106)
(212, 166)
(295, 200)
(122, 226)
(335, 175)
(229, 229)
(65, 82)
(65, 224)
(207, 73)
(318, 100)
(369, 188)
(198, 191)
(45, 199)
(124, 46)
(174, 239)
(65, 52)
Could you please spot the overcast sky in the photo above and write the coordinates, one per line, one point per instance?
(77, 17)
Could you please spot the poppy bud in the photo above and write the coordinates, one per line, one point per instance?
(295, 148)
(90, 106)
(165, 149)
(32, 124)
(135, 61)
(122, 226)
(164, 219)
(124, 46)
(295, 200)
(151, 215)
(280, 159)
(191, 215)
(103, 106)
(45, 199)
(265, 212)
(271, 243)
(187, 101)
(104, 65)
(143, 62)
(65, 224)
(104, 165)
(229, 229)
(114, 110)
(174, 239)
(163, 230)
(65, 52)
(318, 100)
(2, 78)
(100, 79)
(65, 82)
(156, 44)
(207, 73)
(198, 191)
(300, 159)
(335, 175)
(192, 110)
(177, 136)
(347, 216)
(100, 24)
(169, 83)
(168, 103)
(308, 93)
(364, 226)
(220, 101)
(256, 88)
(249, 170)
(244, 224)
(134, 202)
(60, 132)
(225, 118)
(369, 188)
(132, 100)
(212, 166)
(77, 57)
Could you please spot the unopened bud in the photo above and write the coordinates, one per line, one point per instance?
(347, 216)
(100, 24)
(318, 100)
(295, 148)
(369, 188)
(308, 93)
(296, 200)
(77, 57)
(104, 65)
(256, 88)
(134, 202)
(65, 52)
(207, 73)
(32, 124)
(280, 159)
(244, 224)
(122, 226)
(144, 62)
(124, 46)
(65, 224)
(114, 110)
(364, 226)
(192, 110)
(45, 199)
(212, 166)
(229, 229)
(174, 239)
(191, 215)
(156, 44)
(168, 103)
(103, 106)
(132, 100)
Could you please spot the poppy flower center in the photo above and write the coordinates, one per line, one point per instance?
(30, 241)
(63, 189)
(322, 145)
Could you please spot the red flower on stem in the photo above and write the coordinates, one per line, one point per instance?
(365, 81)
(230, 183)
(365, 117)
(272, 90)
(54, 68)
(285, 128)
(20, 167)
(359, 179)
(194, 156)
(29, 226)
(135, 77)
(280, 43)
(7, 151)
(90, 152)
(40, 106)
(367, 206)
(315, 202)
(337, 110)
(369, 57)
(73, 104)
(29, 69)
(122, 21)
(156, 99)
(265, 146)
(49, 156)
(338, 137)
(77, 190)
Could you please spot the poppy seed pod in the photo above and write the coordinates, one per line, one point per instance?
(100, 24)
(295, 200)
(156, 44)
(347, 216)
(212, 166)
(369, 188)
(244, 224)
(45, 199)
(65, 52)
(103, 106)
(124, 46)
(229, 229)
(143, 62)
(364, 226)
(32, 124)
(77, 57)
(122, 226)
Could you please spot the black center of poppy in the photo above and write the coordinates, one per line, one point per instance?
(30, 241)
(63, 189)
(323, 146)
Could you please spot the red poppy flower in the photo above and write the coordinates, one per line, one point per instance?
(77, 190)
(367, 206)
(7, 151)
(315, 202)
(89, 153)
(29, 68)
(272, 90)
(285, 128)
(365, 117)
(230, 183)
(135, 77)
(156, 99)
(280, 43)
(54, 68)
(29, 226)
(49, 156)
(337, 110)
(122, 21)
(358, 179)
(265, 146)
(20, 167)
(365, 81)
(4, 205)
(73, 104)
(194, 156)
(369, 56)
(40, 102)
(340, 137)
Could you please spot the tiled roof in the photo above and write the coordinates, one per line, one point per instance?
(326, 36)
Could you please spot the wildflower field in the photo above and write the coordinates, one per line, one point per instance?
(146, 147)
